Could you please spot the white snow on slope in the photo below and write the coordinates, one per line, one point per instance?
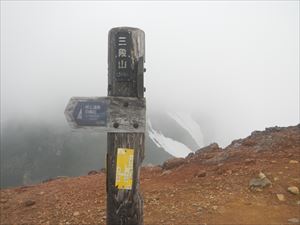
(171, 146)
(186, 121)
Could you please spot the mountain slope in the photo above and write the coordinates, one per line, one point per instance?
(249, 182)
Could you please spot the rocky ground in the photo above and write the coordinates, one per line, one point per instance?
(255, 180)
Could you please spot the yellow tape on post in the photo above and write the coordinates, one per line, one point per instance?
(124, 168)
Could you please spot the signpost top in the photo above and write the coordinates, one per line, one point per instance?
(137, 36)
(126, 57)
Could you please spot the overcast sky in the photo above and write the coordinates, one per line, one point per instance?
(235, 63)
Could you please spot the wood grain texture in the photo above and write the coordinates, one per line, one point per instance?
(129, 113)
(125, 207)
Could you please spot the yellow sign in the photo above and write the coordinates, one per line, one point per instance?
(124, 168)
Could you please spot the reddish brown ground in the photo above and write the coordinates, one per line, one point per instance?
(219, 195)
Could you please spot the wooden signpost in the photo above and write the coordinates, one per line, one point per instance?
(122, 115)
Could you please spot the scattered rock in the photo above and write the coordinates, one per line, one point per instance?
(273, 129)
(200, 173)
(229, 172)
(214, 207)
(293, 161)
(294, 220)
(213, 146)
(218, 158)
(166, 172)
(281, 197)
(269, 174)
(261, 182)
(173, 163)
(298, 202)
(92, 172)
(29, 202)
(3, 200)
(190, 155)
(248, 143)
(261, 175)
(275, 178)
(76, 213)
(152, 168)
(294, 190)
(250, 161)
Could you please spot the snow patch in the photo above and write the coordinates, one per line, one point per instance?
(186, 121)
(173, 147)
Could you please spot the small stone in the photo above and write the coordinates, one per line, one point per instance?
(281, 197)
(229, 172)
(214, 207)
(173, 163)
(261, 182)
(93, 172)
(166, 172)
(298, 202)
(29, 203)
(261, 175)
(294, 190)
(294, 220)
(276, 178)
(273, 161)
(41, 193)
(3, 200)
(280, 172)
(76, 213)
(293, 161)
(200, 173)
(250, 161)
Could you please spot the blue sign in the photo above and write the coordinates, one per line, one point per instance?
(91, 113)
(109, 114)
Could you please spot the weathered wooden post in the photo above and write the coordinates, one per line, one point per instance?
(121, 114)
(125, 151)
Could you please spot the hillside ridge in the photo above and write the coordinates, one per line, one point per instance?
(254, 180)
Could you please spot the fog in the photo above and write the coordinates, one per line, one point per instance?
(233, 66)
